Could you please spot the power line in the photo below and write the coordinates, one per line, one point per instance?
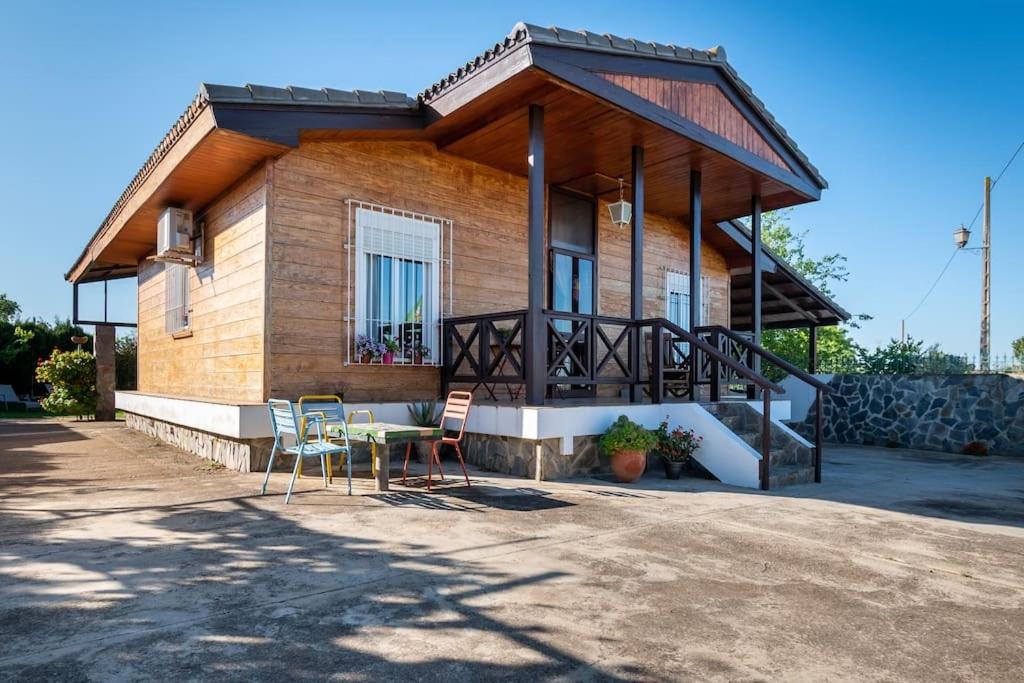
(978, 212)
(934, 285)
(973, 220)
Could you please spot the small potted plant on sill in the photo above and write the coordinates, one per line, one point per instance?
(626, 443)
(675, 448)
(419, 352)
(368, 350)
(391, 347)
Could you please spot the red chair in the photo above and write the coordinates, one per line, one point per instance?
(455, 408)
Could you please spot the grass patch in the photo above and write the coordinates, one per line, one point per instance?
(39, 414)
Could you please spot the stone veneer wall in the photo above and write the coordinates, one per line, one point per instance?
(510, 455)
(930, 412)
(241, 455)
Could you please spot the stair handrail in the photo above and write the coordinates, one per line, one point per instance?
(772, 358)
(820, 388)
(756, 378)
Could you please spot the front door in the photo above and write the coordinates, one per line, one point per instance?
(572, 279)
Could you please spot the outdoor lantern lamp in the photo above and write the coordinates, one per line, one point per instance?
(621, 211)
(960, 236)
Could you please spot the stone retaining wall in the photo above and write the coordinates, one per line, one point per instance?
(241, 455)
(930, 412)
(510, 455)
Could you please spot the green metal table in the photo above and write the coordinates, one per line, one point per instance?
(385, 434)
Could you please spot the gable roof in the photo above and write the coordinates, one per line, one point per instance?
(524, 34)
(277, 115)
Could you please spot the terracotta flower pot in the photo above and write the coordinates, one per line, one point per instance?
(628, 465)
(366, 358)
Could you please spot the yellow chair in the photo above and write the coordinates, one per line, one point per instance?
(373, 446)
(332, 410)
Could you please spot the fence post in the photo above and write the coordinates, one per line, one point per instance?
(766, 438)
(716, 368)
(657, 362)
(817, 439)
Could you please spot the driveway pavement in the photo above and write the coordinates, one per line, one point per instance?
(124, 559)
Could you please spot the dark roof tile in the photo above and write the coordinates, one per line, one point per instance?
(266, 93)
(307, 94)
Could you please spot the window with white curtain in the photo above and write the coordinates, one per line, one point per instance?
(397, 259)
(178, 305)
(677, 299)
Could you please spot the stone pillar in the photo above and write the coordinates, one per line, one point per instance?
(103, 349)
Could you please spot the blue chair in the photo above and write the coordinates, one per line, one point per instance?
(333, 411)
(284, 420)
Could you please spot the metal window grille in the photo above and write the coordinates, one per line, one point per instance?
(677, 298)
(399, 285)
(177, 311)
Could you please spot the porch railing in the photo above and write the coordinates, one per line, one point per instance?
(583, 352)
(741, 345)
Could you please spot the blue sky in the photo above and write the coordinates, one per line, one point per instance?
(904, 107)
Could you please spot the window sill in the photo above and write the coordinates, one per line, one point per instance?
(181, 334)
(360, 364)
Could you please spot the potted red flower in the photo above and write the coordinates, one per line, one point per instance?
(675, 448)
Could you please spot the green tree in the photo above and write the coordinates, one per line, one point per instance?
(126, 356)
(9, 309)
(837, 352)
(896, 358)
(21, 351)
(1018, 350)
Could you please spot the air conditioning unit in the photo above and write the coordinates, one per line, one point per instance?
(176, 241)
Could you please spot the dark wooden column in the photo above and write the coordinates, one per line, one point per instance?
(695, 239)
(756, 258)
(103, 349)
(536, 368)
(812, 349)
(636, 273)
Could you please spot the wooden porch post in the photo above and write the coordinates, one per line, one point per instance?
(695, 268)
(536, 364)
(695, 238)
(756, 258)
(812, 349)
(636, 274)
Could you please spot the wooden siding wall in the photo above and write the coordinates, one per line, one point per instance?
(666, 248)
(702, 103)
(308, 278)
(223, 359)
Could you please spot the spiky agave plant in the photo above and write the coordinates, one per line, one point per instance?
(424, 414)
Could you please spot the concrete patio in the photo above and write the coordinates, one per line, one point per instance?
(123, 559)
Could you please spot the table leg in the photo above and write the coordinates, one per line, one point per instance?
(383, 466)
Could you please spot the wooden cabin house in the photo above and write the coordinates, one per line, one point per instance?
(553, 225)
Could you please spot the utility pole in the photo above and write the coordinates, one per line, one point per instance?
(986, 282)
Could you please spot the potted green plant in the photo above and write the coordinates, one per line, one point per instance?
(419, 351)
(675, 448)
(391, 347)
(626, 443)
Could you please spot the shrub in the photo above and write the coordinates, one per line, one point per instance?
(626, 435)
(677, 445)
(73, 377)
(976, 448)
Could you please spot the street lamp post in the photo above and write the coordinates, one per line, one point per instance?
(961, 236)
